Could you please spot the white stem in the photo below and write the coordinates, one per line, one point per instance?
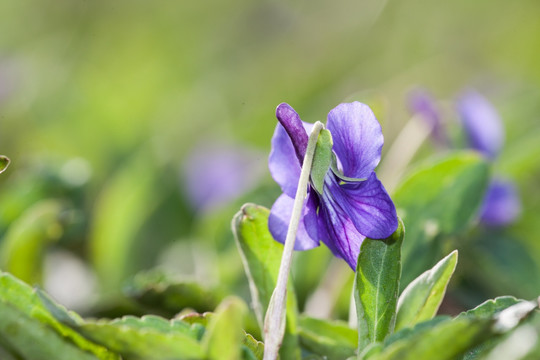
(274, 322)
(322, 301)
(400, 154)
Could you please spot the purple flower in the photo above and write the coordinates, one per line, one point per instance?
(215, 174)
(346, 212)
(485, 133)
(501, 205)
(481, 123)
(421, 103)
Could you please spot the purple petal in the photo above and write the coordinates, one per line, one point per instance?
(421, 103)
(501, 204)
(482, 124)
(215, 174)
(357, 137)
(292, 123)
(280, 216)
(367, 203)
(283, 163)
(338, 233)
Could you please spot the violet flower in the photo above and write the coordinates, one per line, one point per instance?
(481, 123)
(501, 205)
(215, 174)
(485, 133)
(423, 104)
(353, 204)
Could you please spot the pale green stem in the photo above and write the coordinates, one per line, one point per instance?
(274, 321)
(402, 151)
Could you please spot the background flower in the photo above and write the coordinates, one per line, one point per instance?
(501, 204)
(215, 174)
(482, 124)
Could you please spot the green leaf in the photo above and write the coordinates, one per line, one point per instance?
(510, 317)
(120, 212)
(224, 335)
(39, 331)
(261, 256)
(409, 332)
(331, 339)
(487, 309)
(22, 249)
(421, 298)
(491, 307)
(254, 348)
(196, 318)
(160, 293)
(33, 339)
(438, 199)
(321, 160)
(521, 344)
(444, 338)
(444, 341)
(377, 285)
(149, 337)
(502, 264)
(4, 163)
(369, 351)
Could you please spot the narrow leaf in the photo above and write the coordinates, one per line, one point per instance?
(421, 298)
(491, 307)
(224, 335)
(130, 194)
(261, 256)
(377, 285)
(321, 160)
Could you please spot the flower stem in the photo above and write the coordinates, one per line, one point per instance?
(274, 322)
(402, 151)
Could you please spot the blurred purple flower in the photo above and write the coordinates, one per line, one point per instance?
(421, 103)
(347, 211)
(216, 174)
(485, 133)
(501, 205)
(481, 123)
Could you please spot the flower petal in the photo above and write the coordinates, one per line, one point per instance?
(482, 124)
(501, 205)
(215, 173)
(283, 163)
(367, 203)
(421, 103)
(280, 216)
(290, 120)
(358, 138)
(338, 233)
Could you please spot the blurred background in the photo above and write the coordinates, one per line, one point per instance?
(136, 129)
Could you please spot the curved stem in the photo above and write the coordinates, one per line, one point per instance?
(274, 322)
